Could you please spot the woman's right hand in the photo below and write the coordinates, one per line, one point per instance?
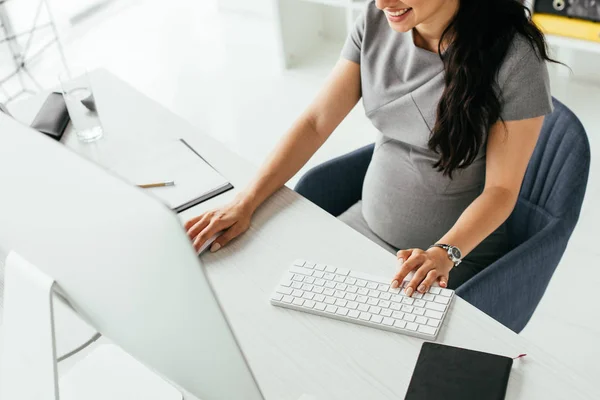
(232, 219)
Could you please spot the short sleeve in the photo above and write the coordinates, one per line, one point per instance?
(526, 89)
(353, 45)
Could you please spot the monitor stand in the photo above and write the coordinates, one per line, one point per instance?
(28, 367)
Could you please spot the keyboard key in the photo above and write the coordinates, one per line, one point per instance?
(385, 296)
(330, 268)
(399, 324)
(435, 306)
(395, 306)
(421, 320)
(433, 322)
(398, 298)
(386, 312)
(277, 296)
(419, 303)
(352, 305)
(446, 292)
(309, 279)
(317, 289)
(388, 321)
(339, 294)
(412, 326)
(341, 302)
(435, 290)
(301, 271)
(308, 295)
(374, 293)
(394, 290)
(372, 301)
(372, 285)
(409, 317)
(408, 309)
(298, 302)
(350, 296)
(284, 290)
(328, 292)
(350, 280)
(320, 282)
(307, 287)
(296, 285)
(363, 291)
(377, 319)
(341, 286)
(374, 309)
(339, 278)
(384, 304)
(329, 276)
(319, 297)
(352, 289)
(433, 314)
(297, 293)
(309, 303)
(419, 311)
(363, 307)
(365, 316)
(408, 300)
(427, 329)
(310, 264)
(331, 308)
(383, 287)
(361, 283)
(342, 271)
(441, 299)
(320, 306)
(428, 297)
(299, 263)
(353, 314)
(286, 283)
(298, 278)
(329, 300)
(342, 311)
(318, 274)
(320, 267)
(329, 284)
(417, 295)
(362, 299)
(398, 314)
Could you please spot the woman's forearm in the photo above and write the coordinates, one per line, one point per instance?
(480, 219)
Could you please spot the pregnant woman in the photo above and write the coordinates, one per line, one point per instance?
(458, 90)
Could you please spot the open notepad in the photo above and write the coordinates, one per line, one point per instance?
(195, 179)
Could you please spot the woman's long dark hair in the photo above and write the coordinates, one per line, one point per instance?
(480, 36)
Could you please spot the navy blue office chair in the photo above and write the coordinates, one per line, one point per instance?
(540, 226)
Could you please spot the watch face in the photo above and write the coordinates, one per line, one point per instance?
(456, 254)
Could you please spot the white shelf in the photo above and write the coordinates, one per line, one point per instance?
(571, 43)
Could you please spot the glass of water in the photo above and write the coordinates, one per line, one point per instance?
(78, 94)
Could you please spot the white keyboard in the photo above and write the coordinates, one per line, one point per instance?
(361, 298)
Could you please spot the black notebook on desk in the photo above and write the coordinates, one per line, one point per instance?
(451, 373)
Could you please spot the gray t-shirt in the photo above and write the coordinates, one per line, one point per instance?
(406, 202)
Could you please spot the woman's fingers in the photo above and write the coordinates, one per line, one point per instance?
(416, 258)
(429, 280)
(443, 280)
(192, 221)
(418, 277)
(234, 231)
(201, 223)
(211, 229)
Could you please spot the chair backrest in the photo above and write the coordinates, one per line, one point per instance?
(555, 182)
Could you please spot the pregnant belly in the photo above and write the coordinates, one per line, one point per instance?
(409, 204)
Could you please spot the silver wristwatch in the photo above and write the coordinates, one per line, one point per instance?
(454, 253)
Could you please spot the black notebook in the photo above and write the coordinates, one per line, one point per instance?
(452, 373)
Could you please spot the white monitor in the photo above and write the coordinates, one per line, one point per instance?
(121, 259)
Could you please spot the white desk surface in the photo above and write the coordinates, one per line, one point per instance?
(292, 353)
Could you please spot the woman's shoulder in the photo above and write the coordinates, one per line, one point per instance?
(522, 54)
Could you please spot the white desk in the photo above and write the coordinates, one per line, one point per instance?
(292, 353)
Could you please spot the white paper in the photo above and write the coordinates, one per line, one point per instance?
(176, 162)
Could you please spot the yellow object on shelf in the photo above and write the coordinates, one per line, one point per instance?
(570, 27)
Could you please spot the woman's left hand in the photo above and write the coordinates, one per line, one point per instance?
(431, 265)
